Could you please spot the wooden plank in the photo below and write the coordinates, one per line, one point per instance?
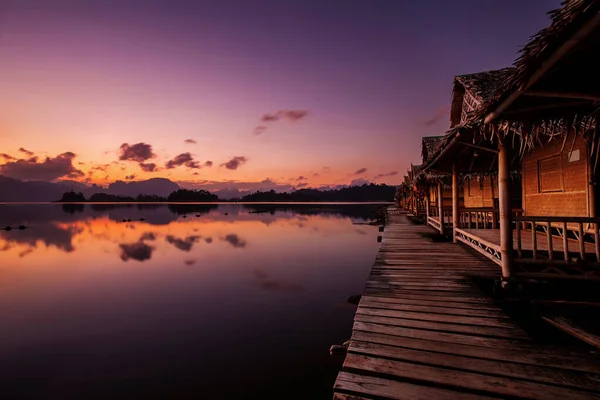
(393, 389)
(572, 329)
(461, 380)
(439, 336)
(483, 306)
(450, 311)
(508, 333)
(543, 357)
(486, 366)
(426, 316)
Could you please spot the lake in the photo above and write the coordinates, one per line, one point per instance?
(224, 301)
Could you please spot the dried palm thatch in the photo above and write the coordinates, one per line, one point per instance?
(483, 85)
(576, 68)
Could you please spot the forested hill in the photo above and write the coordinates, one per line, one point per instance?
(362, 193)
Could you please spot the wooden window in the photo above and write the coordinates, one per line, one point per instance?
(550, 175)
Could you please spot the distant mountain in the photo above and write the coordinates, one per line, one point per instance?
(372, 192)
(16, 190)
(158, 186)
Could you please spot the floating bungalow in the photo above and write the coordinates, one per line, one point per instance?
(515, 176)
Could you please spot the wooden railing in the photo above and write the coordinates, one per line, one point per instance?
(478, 218)
(560, 229)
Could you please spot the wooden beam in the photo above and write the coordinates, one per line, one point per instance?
(569, 327)
(565, 95)
(479, 147)
(547, 107)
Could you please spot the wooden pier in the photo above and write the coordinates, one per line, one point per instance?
(423, 330)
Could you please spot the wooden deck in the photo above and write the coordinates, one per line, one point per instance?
(493, 236)
(423, 330)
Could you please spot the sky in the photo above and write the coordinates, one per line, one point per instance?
(232, 93)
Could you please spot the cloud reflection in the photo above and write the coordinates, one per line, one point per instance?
(183, 244)
(235, 240)
(139, 251)
(268, 284)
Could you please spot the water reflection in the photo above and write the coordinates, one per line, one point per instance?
(151, 308)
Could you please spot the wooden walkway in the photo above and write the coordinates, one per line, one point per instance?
(423, 330)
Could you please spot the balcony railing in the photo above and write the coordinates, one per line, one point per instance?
(558, 234)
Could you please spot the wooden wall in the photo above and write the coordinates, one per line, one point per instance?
(555, 180)
(480, 192)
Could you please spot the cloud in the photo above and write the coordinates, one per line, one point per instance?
(440, 113)
(7, 157)
(139, 251)
(189, 141)
(189, 262)
(235, 162)
(301, 185)
(235, 240)
(130, 177)
(182, 244)
(139, 152)
(359, 182)
(50, 169)
(148, 167)
(393, 173)
(315, 174)
(301, 178)
(290, 115)
(26, 152)
(326, 170)
(188, 160)
(260, 130)
(360, 171)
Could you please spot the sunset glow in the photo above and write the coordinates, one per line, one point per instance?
(294, 94)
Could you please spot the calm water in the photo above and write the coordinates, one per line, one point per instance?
(196, 301)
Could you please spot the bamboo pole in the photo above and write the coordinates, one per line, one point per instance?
(441, 207)
(597, 241)
(549, 238)
(581, 242)
(534, 240)
(565, 242)
(505, 210)
(454, 201)
(519, 246)
(427, 205)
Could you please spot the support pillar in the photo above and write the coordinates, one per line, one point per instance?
(454, 201)
(427, 203)
(441, 206)
(506, 239)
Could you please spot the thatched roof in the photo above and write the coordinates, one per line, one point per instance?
(569, 46)
(429, 145)
(482, 85)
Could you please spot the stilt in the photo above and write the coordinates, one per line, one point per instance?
(441, 206)
(454, 201)
(506, 244)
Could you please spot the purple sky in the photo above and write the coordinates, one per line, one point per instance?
(88, 76)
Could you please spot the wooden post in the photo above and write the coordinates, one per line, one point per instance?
(549, 239)
(581, 242)
(519, 246)
(454, 201)
(534, 239)
(426, 204)
(565, 242)
(441, 207)
(506, 239)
